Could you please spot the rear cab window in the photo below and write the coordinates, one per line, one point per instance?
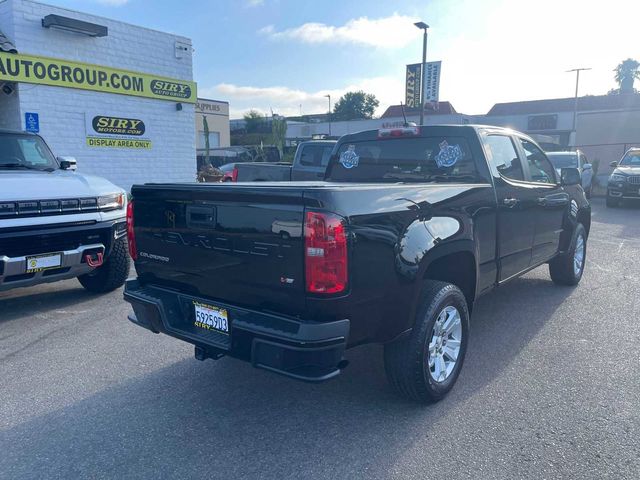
(437, 158)
(315, 155)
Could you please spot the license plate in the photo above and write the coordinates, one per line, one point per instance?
(39, 263)
(209, 317)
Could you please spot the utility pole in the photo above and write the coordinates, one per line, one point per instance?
(329, 97)
(423, 26)
(575, 102)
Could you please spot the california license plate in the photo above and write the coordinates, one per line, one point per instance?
(38, 263)
(209, 317)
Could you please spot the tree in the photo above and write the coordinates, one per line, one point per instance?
(355, 105)
(626, 73)
(254, 119)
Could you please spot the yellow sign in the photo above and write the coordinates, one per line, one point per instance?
(118, 143)
(85, 76)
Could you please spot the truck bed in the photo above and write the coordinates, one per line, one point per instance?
(243, 243)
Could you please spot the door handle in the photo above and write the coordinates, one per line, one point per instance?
(510, 202)
(542, 201)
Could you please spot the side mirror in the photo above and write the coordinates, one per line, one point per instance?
(570, 176)
(613, 164)
(68, 163)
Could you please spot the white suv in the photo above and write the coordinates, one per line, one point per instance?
(56, 223)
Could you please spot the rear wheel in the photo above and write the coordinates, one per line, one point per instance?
(424, 365)
(567, 269)
(112, 273)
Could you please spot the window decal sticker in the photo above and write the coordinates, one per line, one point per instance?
(448, 155)
(349, 158)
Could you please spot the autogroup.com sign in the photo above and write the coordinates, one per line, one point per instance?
(85, 76)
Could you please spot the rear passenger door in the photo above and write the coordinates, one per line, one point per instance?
(516, 204)
(551, 201)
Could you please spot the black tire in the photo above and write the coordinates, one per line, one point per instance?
(612, 202)
(113, 272)
(561, 268)
(406, 359)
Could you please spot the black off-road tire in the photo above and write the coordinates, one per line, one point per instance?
(612, 202)
(561, 268)
(406, 359)
(112, 273)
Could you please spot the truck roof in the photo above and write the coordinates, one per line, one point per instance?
(373, 134)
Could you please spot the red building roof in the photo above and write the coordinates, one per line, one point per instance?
(596, 102)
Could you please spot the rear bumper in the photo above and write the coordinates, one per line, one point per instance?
(301, 350)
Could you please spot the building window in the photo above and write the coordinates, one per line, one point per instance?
(214, 140)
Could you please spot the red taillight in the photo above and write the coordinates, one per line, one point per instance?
(131, 238)
(325, 248)
(234, 174)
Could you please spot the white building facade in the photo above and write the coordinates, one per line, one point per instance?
(122, 103)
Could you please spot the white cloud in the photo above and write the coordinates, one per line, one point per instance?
(388, 32)
(113, 3)
(287, 101)
(254, 3)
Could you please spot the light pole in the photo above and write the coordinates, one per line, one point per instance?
(423, 26)
(329, 97)
(575, 101)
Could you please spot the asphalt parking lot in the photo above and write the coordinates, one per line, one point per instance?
(550, 389)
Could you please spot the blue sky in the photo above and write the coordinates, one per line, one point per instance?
(287, 54)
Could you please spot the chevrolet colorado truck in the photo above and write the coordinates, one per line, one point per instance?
(56, 223)
(409, 228)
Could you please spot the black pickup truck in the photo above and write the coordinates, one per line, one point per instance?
(409, 228)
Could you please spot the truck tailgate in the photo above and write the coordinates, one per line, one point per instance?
(243, 246)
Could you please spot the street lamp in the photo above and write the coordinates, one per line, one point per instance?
(575, 102)
(423, 26)
(329, 97)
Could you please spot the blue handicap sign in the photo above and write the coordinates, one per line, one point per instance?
(31, 122)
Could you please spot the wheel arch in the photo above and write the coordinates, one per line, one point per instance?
(457, 266)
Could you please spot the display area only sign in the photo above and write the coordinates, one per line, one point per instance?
(113, 131)
(85, 76)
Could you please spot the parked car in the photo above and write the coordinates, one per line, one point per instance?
(624, 182)
(309, 163)
(577, 160)
(411, 226)
(56, 223)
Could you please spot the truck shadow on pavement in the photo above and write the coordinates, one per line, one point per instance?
(224, 419)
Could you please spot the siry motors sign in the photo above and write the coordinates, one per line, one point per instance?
(85, 76)
(413, 92)
(116, 132)
(117, 126)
